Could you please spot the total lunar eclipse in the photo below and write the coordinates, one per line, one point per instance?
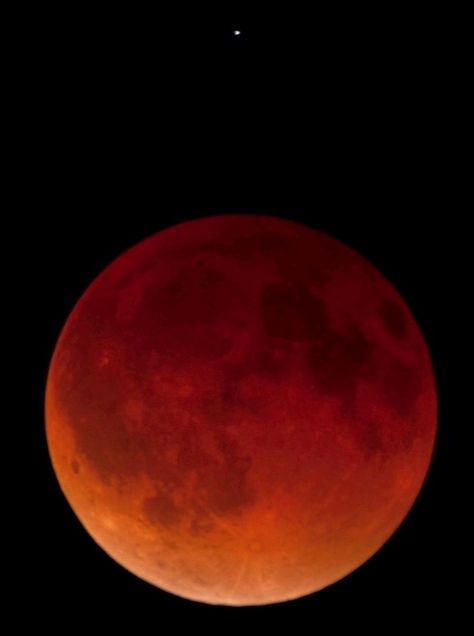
(241, 410)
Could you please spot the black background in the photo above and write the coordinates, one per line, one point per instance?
(130, 122)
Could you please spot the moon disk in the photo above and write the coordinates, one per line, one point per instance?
(240, 410)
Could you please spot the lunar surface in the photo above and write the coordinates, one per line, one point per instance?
(241, 410)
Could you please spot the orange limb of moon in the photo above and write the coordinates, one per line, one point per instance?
(241, 410)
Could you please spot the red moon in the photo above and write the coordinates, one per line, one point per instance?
(241, 410)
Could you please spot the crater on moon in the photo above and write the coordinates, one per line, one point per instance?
(392, 317)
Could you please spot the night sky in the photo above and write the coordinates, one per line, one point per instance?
(136, 121)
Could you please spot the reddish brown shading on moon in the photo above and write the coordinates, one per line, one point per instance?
(241, 410)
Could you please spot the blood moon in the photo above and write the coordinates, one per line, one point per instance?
(241, 410)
